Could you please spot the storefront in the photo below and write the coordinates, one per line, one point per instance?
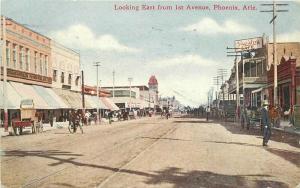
(288, 80)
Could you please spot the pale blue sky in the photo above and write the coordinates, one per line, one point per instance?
(141, 43)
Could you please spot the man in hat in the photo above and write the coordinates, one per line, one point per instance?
(266, 123)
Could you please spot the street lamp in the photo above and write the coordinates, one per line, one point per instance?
(97, 64)
(130, 80)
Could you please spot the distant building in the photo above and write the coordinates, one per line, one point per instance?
(153, 87)
(141, 96)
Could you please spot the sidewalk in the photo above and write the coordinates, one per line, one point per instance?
(285, 126)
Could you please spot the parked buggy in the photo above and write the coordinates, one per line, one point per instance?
(28, 118)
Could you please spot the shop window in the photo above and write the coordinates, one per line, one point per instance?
(54, 75)
(62, 78)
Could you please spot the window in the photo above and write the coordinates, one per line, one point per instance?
(27, 60)
(62, 78)
(35, 62)
(21, 57)
(41, 64)
(46, 65)
(77, 80)
(14, 55)
(70, 79)
(7, 54)
(259, 68)
(54, 75)
(253, 68)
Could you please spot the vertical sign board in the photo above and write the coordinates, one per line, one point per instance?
(248, 44)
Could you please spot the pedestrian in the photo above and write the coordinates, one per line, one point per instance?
(207, 112)
(51, 118)
(110, 116)
(265, 123)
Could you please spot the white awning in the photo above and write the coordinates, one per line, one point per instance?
(28, 92)
(13, 99)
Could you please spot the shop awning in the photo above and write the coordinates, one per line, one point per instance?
(50, 97)
(110, 105)
(72, 99)
(13, 99)
(94, 102)
(28, 92)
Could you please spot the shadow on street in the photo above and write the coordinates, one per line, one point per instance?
(172, 175)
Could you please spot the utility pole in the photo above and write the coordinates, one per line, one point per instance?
(113, 84)
(97, 64)
(222, 73)
(130, 80)
(275, 63)
(235, 54)
(5, 118)
(217, 83)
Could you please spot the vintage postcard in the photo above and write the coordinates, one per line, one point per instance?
(150, 93)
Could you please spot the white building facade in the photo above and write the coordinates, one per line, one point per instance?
(65, 67)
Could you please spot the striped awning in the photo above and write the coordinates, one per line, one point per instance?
(94, 102)
(52, 99)
(28, 92)
(71, 98)
(110, 105)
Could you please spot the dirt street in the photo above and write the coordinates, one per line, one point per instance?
(152, 152)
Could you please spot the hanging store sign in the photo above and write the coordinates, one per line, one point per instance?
(248, 44)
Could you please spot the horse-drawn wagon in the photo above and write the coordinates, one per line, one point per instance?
(28, 118)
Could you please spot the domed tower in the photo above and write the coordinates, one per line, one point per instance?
(153, 86)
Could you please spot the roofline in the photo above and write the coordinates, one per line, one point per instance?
(10, 19)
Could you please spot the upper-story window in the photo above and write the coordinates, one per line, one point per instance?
(21, 57)
(62, 78)
(70, 79)
(14, 56)
(27, 60)
(41, 64)
(54, 75)
(77, 80)
(46, 65)
(8, 54)
(35, 62)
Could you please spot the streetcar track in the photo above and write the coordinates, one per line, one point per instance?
(107, 179)
(41, 179)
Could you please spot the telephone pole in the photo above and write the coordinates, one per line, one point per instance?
(113, 84)
(222, 73)
(275, 63)
(97, 64)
